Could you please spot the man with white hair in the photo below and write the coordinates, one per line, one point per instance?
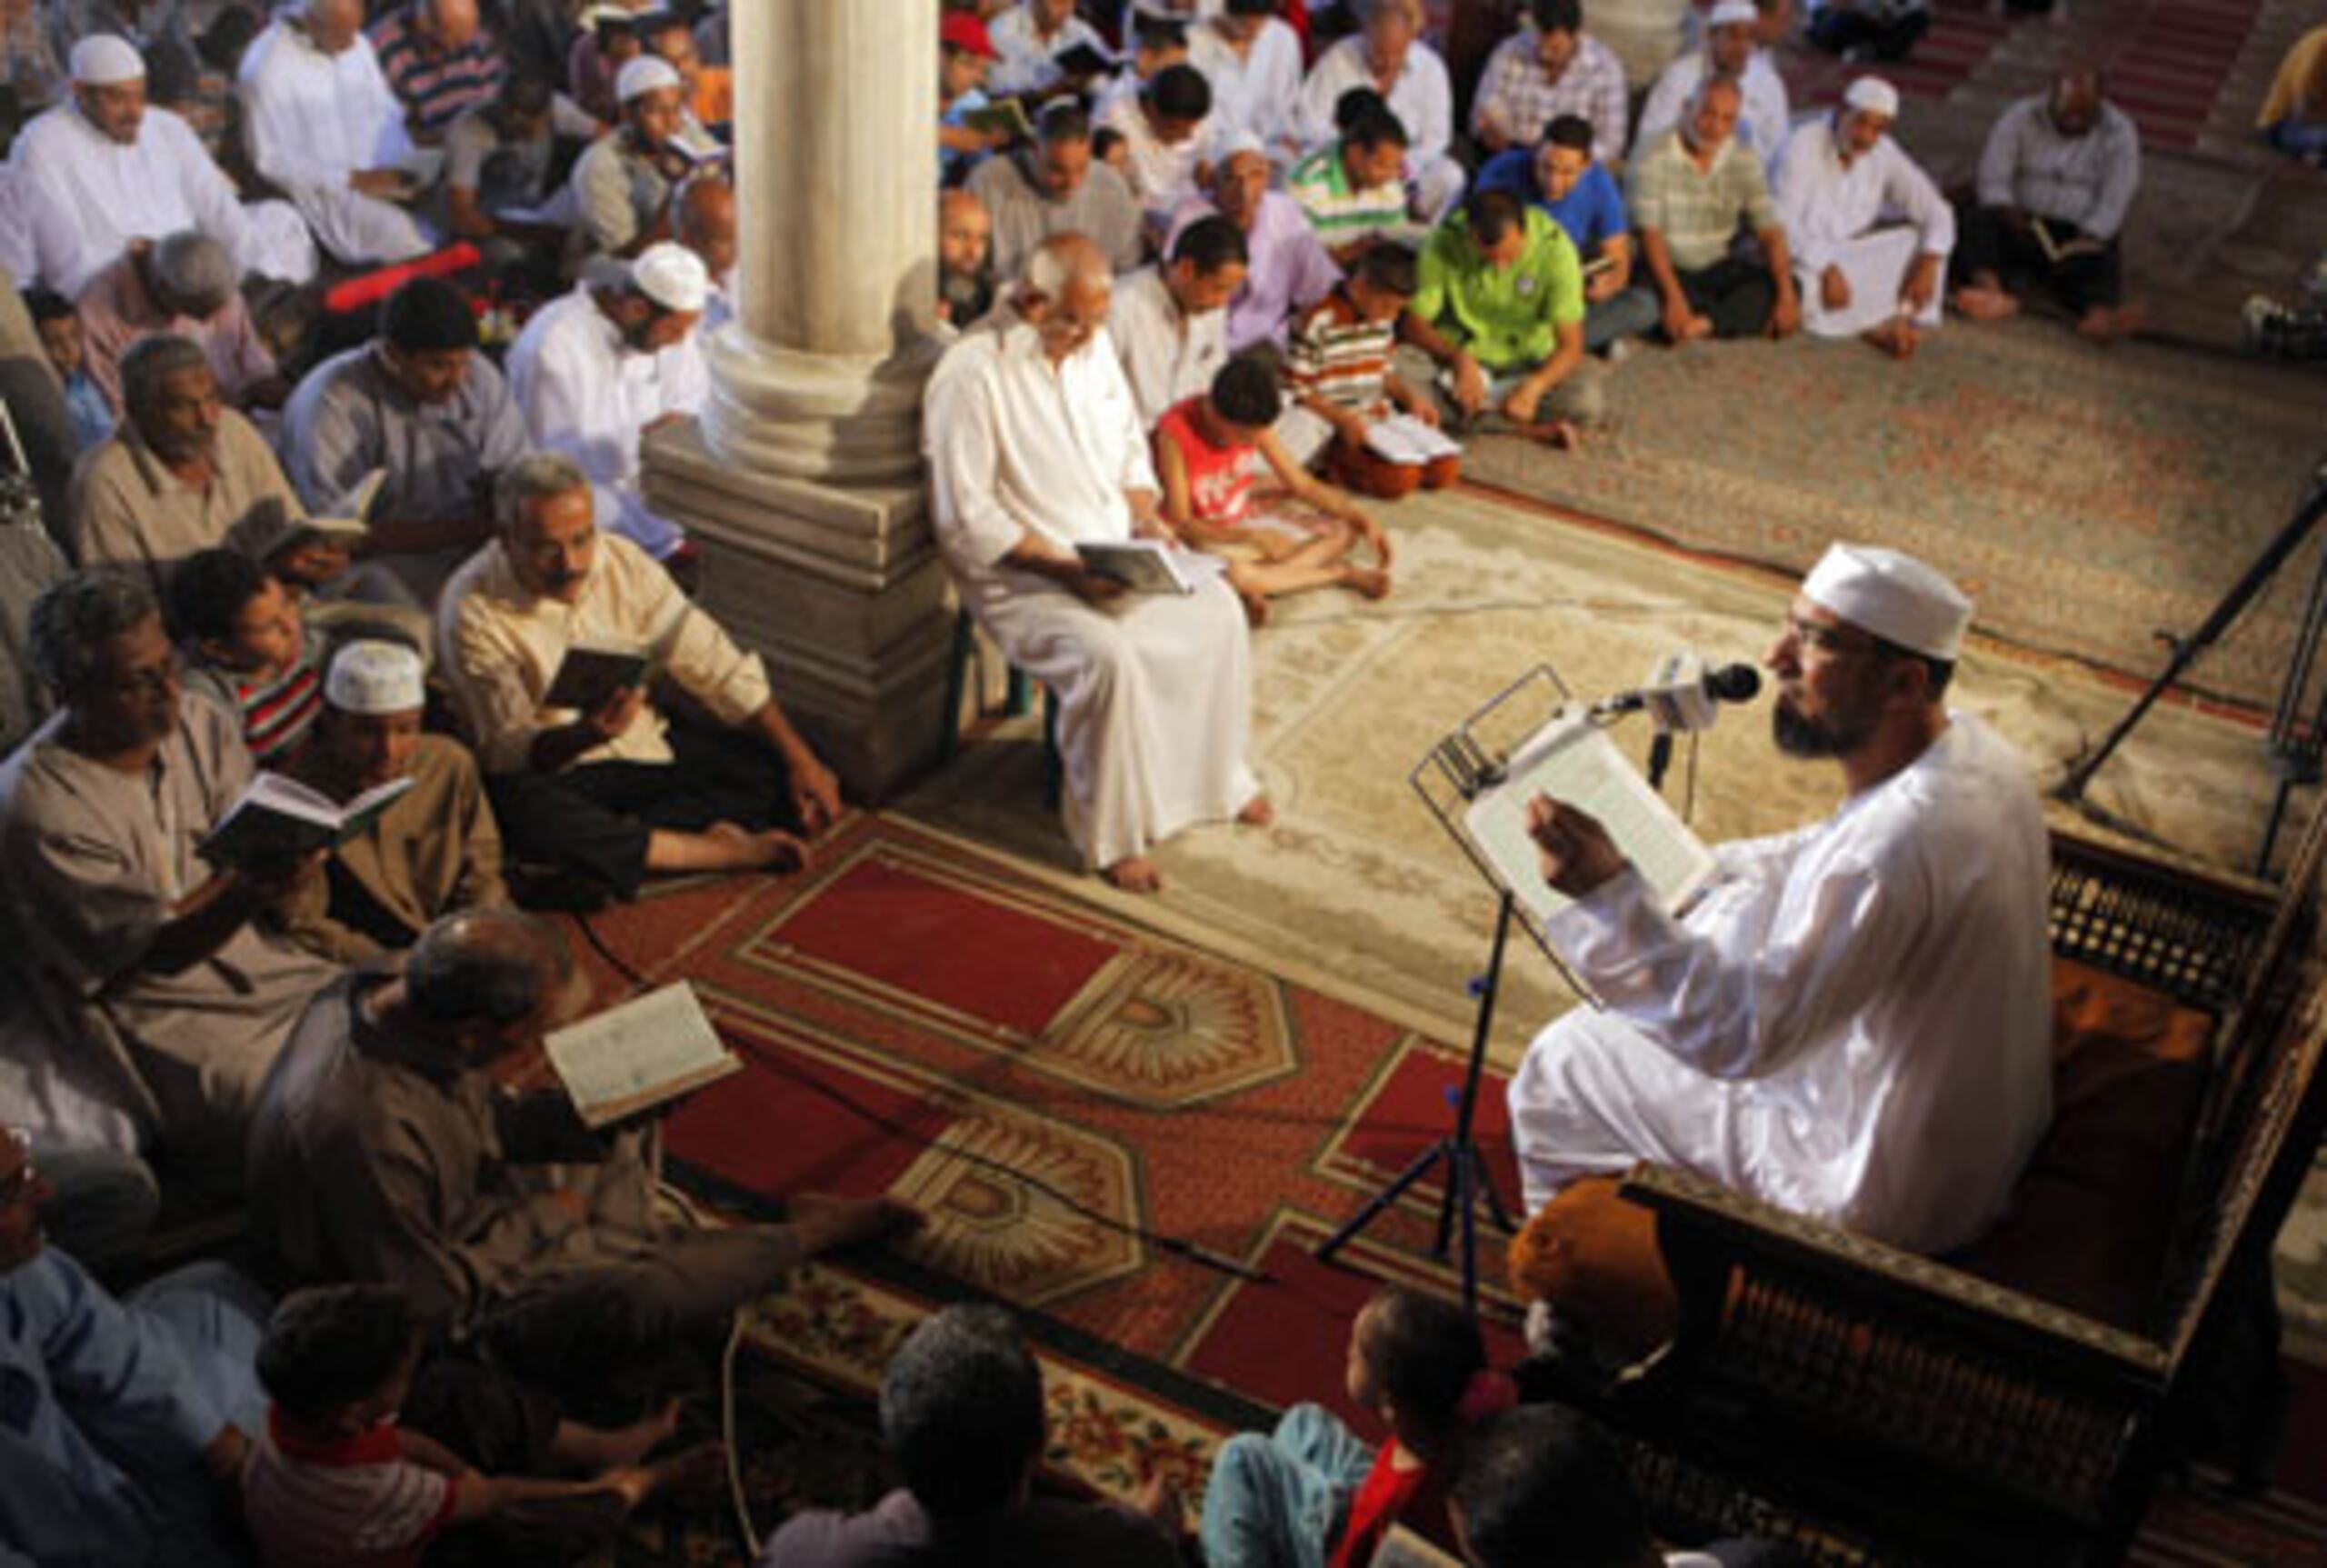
(1036, 446)
(1286, 269)
(107, 168)
(598, 368)
(1850, 1021)
(185, 283)
(322, 124)
(622, 186)
(435, 849)
(1388, 55)
(1842, 178)
(1692, 190)
(1731, 49)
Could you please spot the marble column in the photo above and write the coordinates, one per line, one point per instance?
(803, 481)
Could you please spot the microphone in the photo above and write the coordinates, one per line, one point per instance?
(1682, 694)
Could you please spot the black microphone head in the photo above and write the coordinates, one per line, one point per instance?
(1735, 683)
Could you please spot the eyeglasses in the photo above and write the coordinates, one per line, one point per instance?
(154, 680)
(1835, 641)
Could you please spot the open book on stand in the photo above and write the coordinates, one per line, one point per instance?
(1572, 760)
(1150, 565)
(279, 818)
(635, 1057)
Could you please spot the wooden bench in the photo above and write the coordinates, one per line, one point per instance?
(1873, 1406)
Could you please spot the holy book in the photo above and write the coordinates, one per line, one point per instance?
(1150, 565)
(278, 819)
(635, 1057)
(592, 672)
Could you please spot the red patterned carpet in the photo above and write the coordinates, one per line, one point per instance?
(913, 1014)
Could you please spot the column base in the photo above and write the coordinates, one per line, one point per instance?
(840, 589)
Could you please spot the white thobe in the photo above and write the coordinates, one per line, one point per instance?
(1256, 93)
(89, 196)
(1154, 690)
(1422, 98)
(587, 394)
(1852, 1022)
(1022, 57)
(1167, 355)
(312, 119)
(1162, 174)
(1830, 215)
(1763, 123)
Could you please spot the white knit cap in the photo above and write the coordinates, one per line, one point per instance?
(1733, 13)
(644, 74)
(672, 276)
(1894, 597)
(1874, 96)
(375, 677)
(105, 59)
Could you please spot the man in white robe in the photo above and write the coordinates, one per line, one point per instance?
(1390, 57)
(1036, 446)
(1169, 323)
(598, 368)
(1852, 1021)
(1251, 57)
(1731, 49)
(322, 124)
(106, 168)
(1842, 189)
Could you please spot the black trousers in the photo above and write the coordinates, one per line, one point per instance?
(1985, 242)
(594, 818)
(1736, 295)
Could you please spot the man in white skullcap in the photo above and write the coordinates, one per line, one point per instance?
(106, 168)
(1852, 1020)
(322, 124)
(434, 850)
(1842, 188)
(1731, 49)
(598, 368)
(622, 186)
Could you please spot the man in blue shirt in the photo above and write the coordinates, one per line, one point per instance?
(1558, 177)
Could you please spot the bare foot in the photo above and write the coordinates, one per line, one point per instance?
(1162, 1500)
(696, 1472)
(591, 1449)
(823, 1223)
(1896, 338)
(1135, 874)
(1367, 582)
(774, 850)
(1977, 304)
(2103, 324)
(1257, 812)
(1256, 606)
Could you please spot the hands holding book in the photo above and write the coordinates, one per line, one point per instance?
(1575, 849)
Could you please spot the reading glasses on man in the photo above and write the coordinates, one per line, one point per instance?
(156, 679)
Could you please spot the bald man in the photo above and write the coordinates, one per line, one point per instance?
(964, 258)
(2056, 179)
(703, 219)
(440, 62)
(1154, 690)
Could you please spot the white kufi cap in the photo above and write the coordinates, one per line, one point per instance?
(1242, 141)
(1894, 597)
(1874, 96)
(375, 677)
(1733, 13)
(104, 59)
(646, 75)
(672, 276)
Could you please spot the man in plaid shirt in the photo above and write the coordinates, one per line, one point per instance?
(1537, 74)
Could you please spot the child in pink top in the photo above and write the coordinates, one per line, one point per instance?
(1204, 456)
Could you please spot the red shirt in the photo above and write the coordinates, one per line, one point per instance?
(1220, 477)
(1415, 1498)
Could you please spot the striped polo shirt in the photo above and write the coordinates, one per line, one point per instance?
(1337, 354)
(279, 712)
(1320, 183)
(354, 1504)
(436, 86)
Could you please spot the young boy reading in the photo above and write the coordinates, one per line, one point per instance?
(1204, 456)
(1339, 365)
(337, 1481)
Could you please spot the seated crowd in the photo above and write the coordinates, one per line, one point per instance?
(361, 563)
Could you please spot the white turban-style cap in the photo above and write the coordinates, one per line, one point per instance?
(375, 677)
(1733, 13)
(103, 60)
(1874, 96)
(1892, 595)
(672, 276)
(646, 75)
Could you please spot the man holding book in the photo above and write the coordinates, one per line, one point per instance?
(1850, 1021)
(124, 940)
(1036, 448)
(589, 773)
(2056, 178)
(388, 1150)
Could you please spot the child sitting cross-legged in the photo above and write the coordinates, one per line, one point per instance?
(1204, 456)
(337, 1481)
(1313, 1495)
